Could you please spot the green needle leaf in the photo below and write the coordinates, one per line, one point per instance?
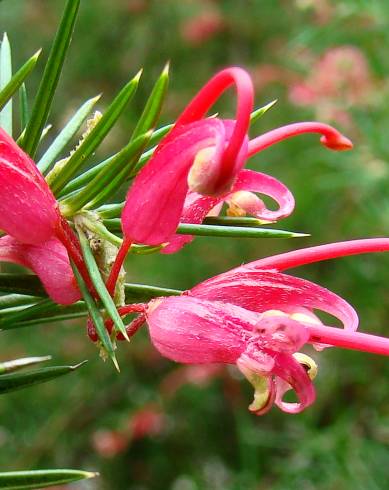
(18, 381)
(122, 165)
(16, 300)
(104, 184)
(16, 364)
(114, 225)
(23, 103)
(36, 479)
(8, 90)
(95, 137)
(234, 231)
(66, 134)
(134, 293)
(21, 284)
(5, 79)
(96, 317)
(153, 106)
(111, 210)
(84, 178)
(142, 292)
(43, 306)
(99, 229)
(49, 82)
(53, 318)
(234, 221)
(99, 285)
(258, 113)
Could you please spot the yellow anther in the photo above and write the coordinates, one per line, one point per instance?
(305, 318)
(271, 313)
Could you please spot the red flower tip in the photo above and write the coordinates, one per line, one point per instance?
(338, 143)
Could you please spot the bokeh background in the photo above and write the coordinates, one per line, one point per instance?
(160, 426)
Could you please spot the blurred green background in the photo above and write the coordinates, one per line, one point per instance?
(160, 426)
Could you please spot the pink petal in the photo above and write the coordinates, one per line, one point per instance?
(235, 152)
(197, 206)
(11, 152)
(260, 291)
(248, 180)
(49, 261)
(28, 209)
(193, 331)
(288, 373)
(155, 201)
(291, 372)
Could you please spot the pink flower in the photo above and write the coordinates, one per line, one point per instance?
(37, 232)
(206, 156)
(258, 318)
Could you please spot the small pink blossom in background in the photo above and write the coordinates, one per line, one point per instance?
(202, 27)
(148, 421)
(339, 79)
(266, 74)
(109, 443)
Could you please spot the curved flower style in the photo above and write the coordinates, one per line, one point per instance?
(258, 318)
(39, 237)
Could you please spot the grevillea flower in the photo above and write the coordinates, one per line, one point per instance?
(206, 155)
(39, 238)
(258, 318)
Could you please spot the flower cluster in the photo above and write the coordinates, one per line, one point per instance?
(255, 316)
